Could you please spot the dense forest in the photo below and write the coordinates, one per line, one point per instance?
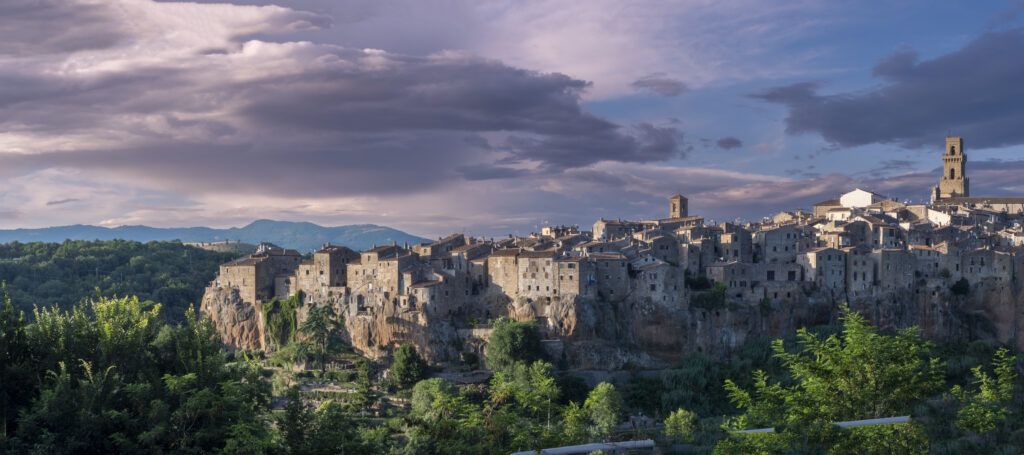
(64, 274)
(96, 373)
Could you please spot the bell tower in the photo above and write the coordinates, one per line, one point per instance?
(954, 181)
(679, 208)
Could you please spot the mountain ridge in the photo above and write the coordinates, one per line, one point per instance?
(300, 235)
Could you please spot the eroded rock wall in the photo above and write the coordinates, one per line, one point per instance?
(598, 334)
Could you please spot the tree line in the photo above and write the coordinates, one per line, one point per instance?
(65, 274)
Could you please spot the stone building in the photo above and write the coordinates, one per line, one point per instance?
(255, 274)
(777, 244)
(536, 273)
(826, 267)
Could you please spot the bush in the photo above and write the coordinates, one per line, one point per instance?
(698, 283)
(681, 425)
(471, 359)
(961, 287)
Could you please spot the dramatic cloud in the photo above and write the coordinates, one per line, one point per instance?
(661, 84)
(195, 105)
(729, 143)
(974, 92)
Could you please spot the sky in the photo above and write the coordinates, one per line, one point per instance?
(494, 117)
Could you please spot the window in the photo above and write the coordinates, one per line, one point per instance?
(572, 266)
(771, 275)
(654, 287)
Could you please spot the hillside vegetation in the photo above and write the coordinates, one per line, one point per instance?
(63, 274)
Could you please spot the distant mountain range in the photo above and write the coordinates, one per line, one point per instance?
(304, 237)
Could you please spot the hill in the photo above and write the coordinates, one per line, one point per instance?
(63, 274)
(301, 236)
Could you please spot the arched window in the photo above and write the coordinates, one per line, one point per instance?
(952, 150)
(952, 173)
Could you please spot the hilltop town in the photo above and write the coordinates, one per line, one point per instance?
(646, 291)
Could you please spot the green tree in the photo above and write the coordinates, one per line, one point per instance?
(859, 374)
(323, 329)
(65, 274)
(365, 396)
(111, 377)
(294, 421)
(681, 425)
(985, 408)
(512, 342)
(408, 367)
(426, 391)
(603, 407)
(15, 362)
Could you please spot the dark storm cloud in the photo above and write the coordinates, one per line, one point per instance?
(57, 26)
(639, 143)
(488, 172)
(62, 201)
(661, 84)
(729, 143)
(974, 92)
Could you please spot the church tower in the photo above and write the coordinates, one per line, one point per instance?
(954, 181)
(679, 208)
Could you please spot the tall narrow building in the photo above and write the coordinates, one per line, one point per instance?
(679, 208)
(954, 181)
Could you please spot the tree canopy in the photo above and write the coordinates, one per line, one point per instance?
(858, 374)
(68, 273)
(511, 342)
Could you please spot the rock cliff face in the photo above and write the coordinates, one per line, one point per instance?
(239, 323)
(594, 333)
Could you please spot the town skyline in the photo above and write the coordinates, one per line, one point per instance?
(492, 118)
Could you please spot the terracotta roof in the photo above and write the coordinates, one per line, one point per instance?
(685, 218)
(242, 262)
(505, 252)
(424, 284)
(651, 266)
(537, 254)
(607, 256)
(980, 200)
(380, 249)
(820, 249)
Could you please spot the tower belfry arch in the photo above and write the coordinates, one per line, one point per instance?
(954, 181)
